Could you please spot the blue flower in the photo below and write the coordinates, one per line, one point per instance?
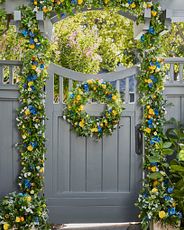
(150, 121)
(21, 194)
(142, 38)
(171, 211)
(154, 163)
(150, 85)
(34, 63)
(72, 95)
(74, 2)
(170, 190)
(86, 87)
(156, 112)
(154, 140)
(150, 126)
(31, 41)
(31, 77)
(99, 129)
(24, 33)
(42, 66)
(109, 96)
(167, 198)
(32, 110)
(145, 195)
(130, 1)
(158, 64)
(34, 144)
(151, 30)
(32, 87)
(24, 85)
(27, 183)
(153, 78)
(31, 34)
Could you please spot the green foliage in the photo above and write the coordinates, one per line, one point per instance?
(176, 137)
(23, 212)
(98, 40)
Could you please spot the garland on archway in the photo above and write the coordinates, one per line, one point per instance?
(98, 91)
(27, 209)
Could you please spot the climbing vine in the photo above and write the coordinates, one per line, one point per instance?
(27, 209)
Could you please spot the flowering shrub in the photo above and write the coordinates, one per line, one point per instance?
(93, 41)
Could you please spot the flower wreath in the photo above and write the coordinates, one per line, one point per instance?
(82, 122)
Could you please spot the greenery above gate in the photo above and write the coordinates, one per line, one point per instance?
(155, 201)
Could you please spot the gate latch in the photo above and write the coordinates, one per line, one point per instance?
(138, 140)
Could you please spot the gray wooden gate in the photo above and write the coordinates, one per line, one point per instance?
(88, 180)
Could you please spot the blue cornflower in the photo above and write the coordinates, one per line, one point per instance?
(167, 198)
(32, 110)
(34, 144)
(171, 211)
(31, 41)
(72, 95)
(42, 66)
(31, 34)
(156, 112)
(24, 33)
(27, 183)
(158, 64)
(109, 96)
(150, 85)
(170, 190)
(130, 1)
(99, 129)
(86, 87)
(151, 30)
(142, 38)
(24, 85)
(150, 121)
(154, 140)
(153, 78)
(74, 2)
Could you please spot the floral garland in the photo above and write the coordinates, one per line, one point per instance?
(83, 123)
(155, 201)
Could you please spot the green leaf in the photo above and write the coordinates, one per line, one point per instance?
(155, 175)
(167, 145)
(168, 151)
(177, 168)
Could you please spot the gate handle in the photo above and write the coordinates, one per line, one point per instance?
(138, 140)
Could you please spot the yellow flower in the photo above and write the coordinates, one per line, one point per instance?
(81, 123)
(35, 3)
(114, 97)
(149, 5)
(155, 183)
(42, 170)
(133, 5)
(32, 46)
(81, 107)
(149, 81)
(6, 226)
(89, 81)
(162, 214)
(78, 97)
(154, 190)
(21, 218)
(152, 67)
(148, 106)
(27, 112)
(30, 148)
(153, 13)
(151, 112)
(103, 86)
(45, 9)
(28, 198)
(33, 67)
(154, 169)
(80, 2)
(17, 220)
(114, 112)
(30, 83)
(147, 130)
(94, 130)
